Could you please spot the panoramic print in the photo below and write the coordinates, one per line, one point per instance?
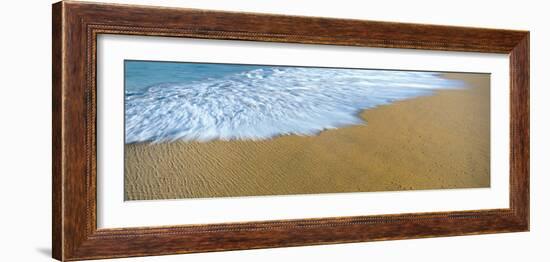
(204, 130)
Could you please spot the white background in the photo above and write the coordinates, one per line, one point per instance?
(25, 63)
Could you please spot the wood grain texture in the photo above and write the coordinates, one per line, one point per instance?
(519, 129)
(57, 190)
(76, 26)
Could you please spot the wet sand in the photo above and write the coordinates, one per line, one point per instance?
(433, 142)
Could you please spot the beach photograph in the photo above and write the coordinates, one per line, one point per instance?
(207, 130)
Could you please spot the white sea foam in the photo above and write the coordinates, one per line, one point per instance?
(264, 103)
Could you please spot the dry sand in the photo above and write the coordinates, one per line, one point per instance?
(433, 142)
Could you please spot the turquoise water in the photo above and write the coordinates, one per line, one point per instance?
(140, 75)
(167, 101)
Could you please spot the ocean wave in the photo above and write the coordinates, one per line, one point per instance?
(264, 103)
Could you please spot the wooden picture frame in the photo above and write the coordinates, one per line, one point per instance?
(76, 26)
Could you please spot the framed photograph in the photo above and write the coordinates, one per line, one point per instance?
(182, 130)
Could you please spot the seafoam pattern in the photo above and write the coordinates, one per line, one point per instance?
(268, 102)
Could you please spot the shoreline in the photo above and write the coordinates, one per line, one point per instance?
(430, 142)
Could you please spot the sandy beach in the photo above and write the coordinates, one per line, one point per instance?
(440, 141)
